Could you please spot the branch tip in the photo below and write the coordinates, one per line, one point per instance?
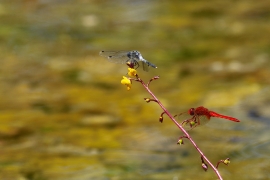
(148, 100)
(226, 162)
(153, 78)
(180, 141)
(161, 117)
(205, 167)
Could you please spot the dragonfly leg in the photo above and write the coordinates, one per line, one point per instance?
(193, 122)
(136, 64)
(185, 122)
(133, 64)
(198, 123)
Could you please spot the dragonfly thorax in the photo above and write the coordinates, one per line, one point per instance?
(135, 55)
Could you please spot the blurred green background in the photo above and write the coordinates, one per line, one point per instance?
(65, 116)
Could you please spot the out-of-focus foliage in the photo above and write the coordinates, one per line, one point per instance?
(65, 115)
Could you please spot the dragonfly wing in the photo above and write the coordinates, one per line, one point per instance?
(186, 120)
(119, 57)
(202, 120)
(114, 54)
(145, 66)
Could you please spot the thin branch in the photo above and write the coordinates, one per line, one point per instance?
(179, 126)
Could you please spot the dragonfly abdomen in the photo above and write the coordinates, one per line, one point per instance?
(214, 114)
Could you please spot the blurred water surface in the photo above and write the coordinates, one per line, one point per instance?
(65, 115)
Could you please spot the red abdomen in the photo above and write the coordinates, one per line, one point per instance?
(214, 114)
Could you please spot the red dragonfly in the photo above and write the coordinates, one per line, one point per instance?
(202, 115)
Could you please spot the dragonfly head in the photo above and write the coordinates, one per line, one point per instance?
(191, 111)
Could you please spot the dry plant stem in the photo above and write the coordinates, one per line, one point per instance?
(179, 126)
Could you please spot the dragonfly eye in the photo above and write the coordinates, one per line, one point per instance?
(191, 111)
(137, 55)
(129, 55)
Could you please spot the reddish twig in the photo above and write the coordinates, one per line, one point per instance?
(226, 162)
(161, 117)
(186, 135)
(152, 79)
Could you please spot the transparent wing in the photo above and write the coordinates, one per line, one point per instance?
(190, 122)
(202, 120)
(115, 56)
(185, 120)
(121, 57)
(145, 66)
